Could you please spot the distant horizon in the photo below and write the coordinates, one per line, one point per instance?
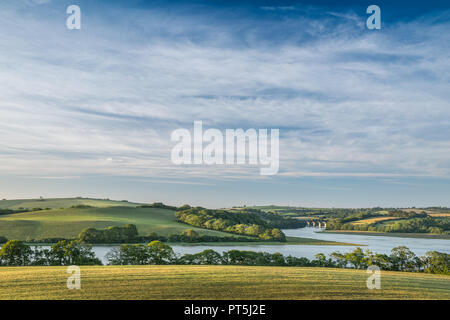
(228, 207)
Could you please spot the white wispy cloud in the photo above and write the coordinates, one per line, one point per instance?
(103, 100)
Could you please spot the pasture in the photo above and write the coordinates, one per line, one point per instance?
(217, 282)
(375, 220)
(69, 222)
(61, 203)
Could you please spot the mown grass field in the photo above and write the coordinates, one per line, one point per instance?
(68, 223)
(439, 214)
(216, 282)
(374, 220)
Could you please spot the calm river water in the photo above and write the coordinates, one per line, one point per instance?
(377, 244)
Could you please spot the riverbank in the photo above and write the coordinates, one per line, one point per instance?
(289, 241)
(216, 282)
(389, 234)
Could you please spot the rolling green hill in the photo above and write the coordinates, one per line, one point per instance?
(58, 203)
(69, 222)
(66, 218)
(217, 282)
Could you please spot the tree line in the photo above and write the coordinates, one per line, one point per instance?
(129, 234)
(20, 210)
(158, 205)
(237, 222)
(433, 225)
(63, 253)
(400, 259)
(113, 234)
(17, 253)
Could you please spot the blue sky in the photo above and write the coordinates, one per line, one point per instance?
(364, 115)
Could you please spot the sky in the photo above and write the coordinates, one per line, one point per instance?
(364, 115)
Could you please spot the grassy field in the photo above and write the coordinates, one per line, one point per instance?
(216, 282)
(58, 203)
(374, 220)
(70, 222)
(63, 221)
(439, 214)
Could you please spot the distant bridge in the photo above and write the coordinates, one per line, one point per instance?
(316, 223)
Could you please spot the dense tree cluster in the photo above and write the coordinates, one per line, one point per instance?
(127, 233)
(11, 211)
(190, 235)
(81, 206)
(406, 214)
(63, 253)
(237, 222)
(155, 252)
(159, 205)
(433, 225)
(278, 221)
(436, 225)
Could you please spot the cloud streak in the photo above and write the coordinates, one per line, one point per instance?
(104, 100)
